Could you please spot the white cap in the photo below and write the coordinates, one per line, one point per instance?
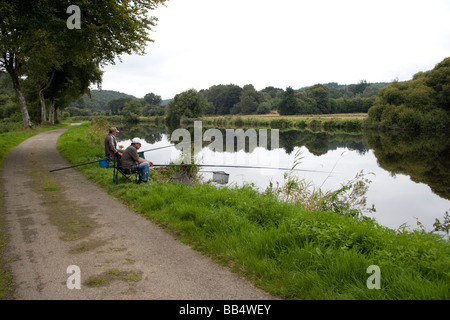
(136, 140)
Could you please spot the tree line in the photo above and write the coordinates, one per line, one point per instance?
(234, 100)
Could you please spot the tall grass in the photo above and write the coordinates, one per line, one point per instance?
(283, 247)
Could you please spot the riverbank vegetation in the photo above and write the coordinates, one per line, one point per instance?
(348, 123)
(422, 103)
(285, 247)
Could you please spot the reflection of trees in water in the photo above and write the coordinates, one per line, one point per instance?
(425, 157)
(320, 143)
(243, 139)
(149, 133)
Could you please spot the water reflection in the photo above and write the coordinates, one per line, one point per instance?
(424, 157)
(412, 170)
(320, 143)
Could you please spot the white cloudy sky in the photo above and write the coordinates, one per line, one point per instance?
(297, 43)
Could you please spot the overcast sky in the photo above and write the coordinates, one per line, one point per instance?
(282, 43)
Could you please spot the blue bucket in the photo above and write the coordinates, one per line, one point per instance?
(103, 163)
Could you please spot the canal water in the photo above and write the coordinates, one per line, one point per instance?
(409, 173)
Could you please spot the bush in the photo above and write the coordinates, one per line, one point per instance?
(437, 119)
(418, 104)
(315, 125)
(411, 119)
(280, 124)
(389, 117)
(98, 130)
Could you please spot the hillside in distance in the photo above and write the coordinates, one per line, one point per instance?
(98, 99)
(96, 102)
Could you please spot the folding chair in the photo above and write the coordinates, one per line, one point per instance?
(131, 175)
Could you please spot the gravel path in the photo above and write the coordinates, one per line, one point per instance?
(57, 220)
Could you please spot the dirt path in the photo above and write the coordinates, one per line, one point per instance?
(60, 219)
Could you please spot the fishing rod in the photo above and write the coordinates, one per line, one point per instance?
(159, 148)
(82, 164)
(230, 166)
(172, 145)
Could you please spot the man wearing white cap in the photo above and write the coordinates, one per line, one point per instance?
(132, 161)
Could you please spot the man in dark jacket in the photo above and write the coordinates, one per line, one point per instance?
(111, 144)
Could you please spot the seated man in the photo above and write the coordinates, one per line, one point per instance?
(132, 161)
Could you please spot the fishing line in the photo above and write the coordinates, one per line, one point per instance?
(232, 166)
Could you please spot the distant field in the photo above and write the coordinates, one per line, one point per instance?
(359, 116)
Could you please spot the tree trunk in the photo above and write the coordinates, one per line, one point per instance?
(23, 105)
(58, 114)
(42, 99)
(51, 112)
(12, 64)
(43, 107)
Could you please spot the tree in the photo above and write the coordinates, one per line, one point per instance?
(264, 108)
(15, 43)
(305, 105)
(321, 95)
(41, 70)
(115, 106)
(422, 103)
(69, 83)
(358, 88)
(223, 98)
(153, 111)
(152, 106)
(289, 105)
(439, 80)
(188, 104)
(152, 99)
(108, 30)
(275, 94)
(249, 101)
(132, 110)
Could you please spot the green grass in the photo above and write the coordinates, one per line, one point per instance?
(331, 122)
(8, 141)
(112, 275)
(287, 250)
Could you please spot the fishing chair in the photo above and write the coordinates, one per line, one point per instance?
(131, 175)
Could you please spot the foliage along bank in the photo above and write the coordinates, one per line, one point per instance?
(422, 103)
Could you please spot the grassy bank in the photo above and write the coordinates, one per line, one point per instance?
(347, 122)
(285, 249)
(9, 140)
(332, 122)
